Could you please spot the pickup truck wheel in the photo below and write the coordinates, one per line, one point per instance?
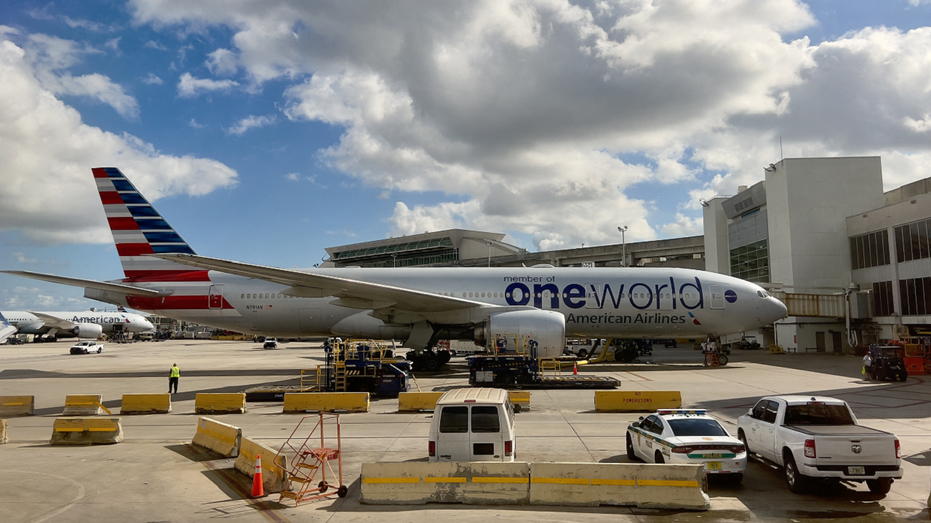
(101, 350)
(743, 439)
(658, 458)
(582, 354)
(879, 486)
(794, 479)
(630, 448)
(85, 351)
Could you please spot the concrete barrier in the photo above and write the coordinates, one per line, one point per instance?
(416, 483)
(83, 405)
(302, 402)
(274, 472)
(219, 437)
(636, 400)
(17, 405)
(417, 401)
(642, 485)
(86, 431)
(520, 397)
(211, 403)
(146, 404)
(3, 438)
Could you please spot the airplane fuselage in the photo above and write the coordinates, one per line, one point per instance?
(596, 302)
(29, 323)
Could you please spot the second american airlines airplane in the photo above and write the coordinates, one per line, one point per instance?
(163, 275)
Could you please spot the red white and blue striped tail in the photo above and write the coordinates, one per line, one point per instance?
(138, 229)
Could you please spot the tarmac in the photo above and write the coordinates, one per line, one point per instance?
(157, 475)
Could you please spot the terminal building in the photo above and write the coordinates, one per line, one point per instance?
(851, 262)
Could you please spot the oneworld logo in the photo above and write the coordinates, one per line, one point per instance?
(642, 296)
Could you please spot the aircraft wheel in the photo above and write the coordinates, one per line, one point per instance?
(430, 363)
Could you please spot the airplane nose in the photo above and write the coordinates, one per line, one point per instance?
(776, 309)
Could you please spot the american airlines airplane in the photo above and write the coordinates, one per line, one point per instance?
(85, 324)
(163, 275)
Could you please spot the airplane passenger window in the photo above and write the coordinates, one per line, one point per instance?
(241, 296)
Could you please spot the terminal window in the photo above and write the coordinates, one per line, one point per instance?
(915, 294)
(869, 250)
(913, 241)
(751, 262)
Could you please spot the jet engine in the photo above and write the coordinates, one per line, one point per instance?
(86, 330)
(541, 333)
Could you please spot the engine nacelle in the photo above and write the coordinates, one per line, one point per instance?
(543, 333)
(87, 330)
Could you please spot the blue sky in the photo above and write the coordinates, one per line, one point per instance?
(267, 131)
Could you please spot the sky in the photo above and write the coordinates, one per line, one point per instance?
(267, 131)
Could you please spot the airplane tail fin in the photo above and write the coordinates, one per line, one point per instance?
(138, 229)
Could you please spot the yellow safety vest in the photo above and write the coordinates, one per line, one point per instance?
(175, 373)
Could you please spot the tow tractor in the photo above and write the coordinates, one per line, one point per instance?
(514, 362)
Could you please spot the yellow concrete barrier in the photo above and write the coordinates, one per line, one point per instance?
(417, 401)
(219, 437)
(83, 405)
(636, 400)
(274, 471)
(86, 431)
(3, 438)
(146, 404)
(301, 402)
(212, 403)
(17, 405)
(592, 484)
(520, 397)
(416, 483)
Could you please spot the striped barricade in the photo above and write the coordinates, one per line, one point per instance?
(146, 404)
(220, 403)
(304, 402)
(17, 406)
(219, 437)
(412, 483)
(86, 431)
(636, 400)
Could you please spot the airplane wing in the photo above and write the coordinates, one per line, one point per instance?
(54, 321)
(92, 284)
(351, 293)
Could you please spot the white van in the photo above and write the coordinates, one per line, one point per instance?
(474, 424)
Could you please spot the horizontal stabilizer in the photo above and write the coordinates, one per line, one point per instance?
(87, 284)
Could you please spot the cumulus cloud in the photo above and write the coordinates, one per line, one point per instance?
(250, 122)
(152, 79)
(222, 62)
(45, 144)
(189, 87)
(543, 117)
(50, 58)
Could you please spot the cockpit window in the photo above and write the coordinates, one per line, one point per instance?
(762, 294)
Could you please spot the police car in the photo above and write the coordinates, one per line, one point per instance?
(687, 436)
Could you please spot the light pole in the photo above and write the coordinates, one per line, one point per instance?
(623, 246)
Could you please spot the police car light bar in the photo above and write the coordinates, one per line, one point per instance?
(682, 411)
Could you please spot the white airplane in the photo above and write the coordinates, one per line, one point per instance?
(86, 324)
(163, 275)
(6, 329)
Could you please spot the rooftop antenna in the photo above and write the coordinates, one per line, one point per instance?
(781, 156)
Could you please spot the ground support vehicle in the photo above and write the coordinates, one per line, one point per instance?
(270, 343)
(86, 347)
(888, 363)
(363, 366)
(682, 436)
(520, 369)
(819, 437)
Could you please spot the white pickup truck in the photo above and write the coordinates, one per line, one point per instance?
(818, 437)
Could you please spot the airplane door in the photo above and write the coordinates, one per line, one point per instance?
(215, 297)
(717, 296)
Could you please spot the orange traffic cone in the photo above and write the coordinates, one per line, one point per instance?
(575, 368)
(258, 489)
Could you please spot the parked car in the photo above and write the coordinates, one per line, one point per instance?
(86, 347)
(270, 343)
(687, 436)
(819, 437)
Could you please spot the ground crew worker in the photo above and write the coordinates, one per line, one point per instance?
(173, 376)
